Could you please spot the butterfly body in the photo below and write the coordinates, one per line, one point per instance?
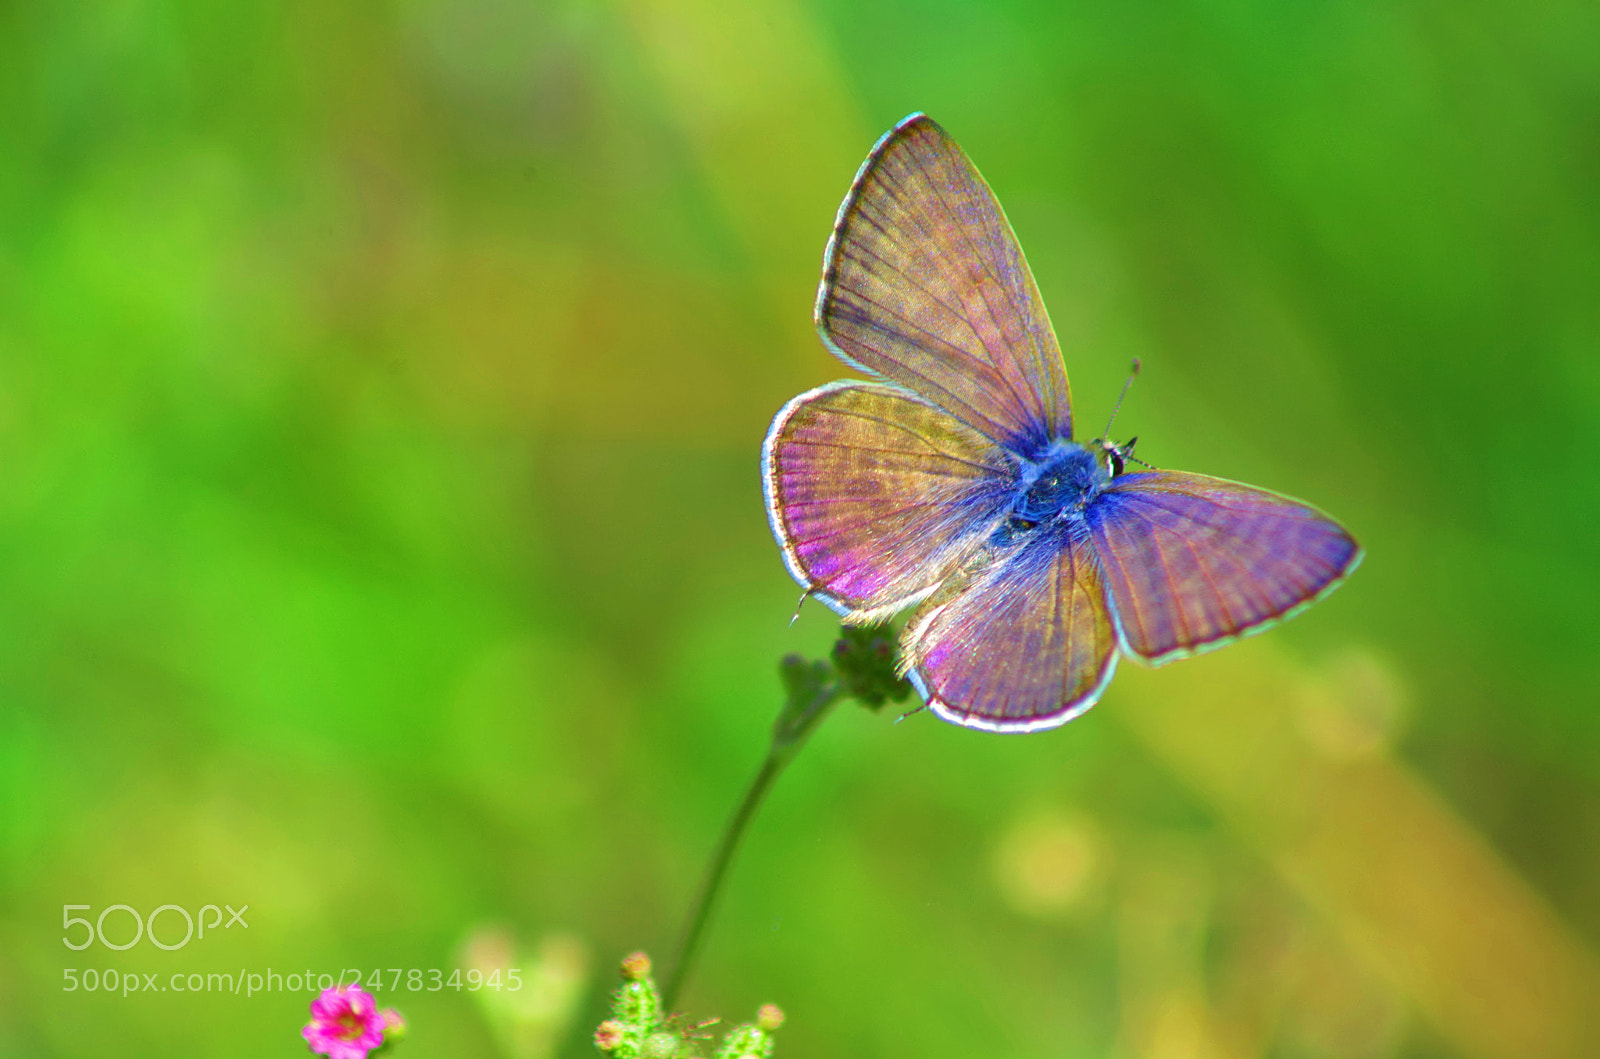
(950, 483)
(1059, 484)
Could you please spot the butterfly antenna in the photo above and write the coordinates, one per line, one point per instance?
(1127, 454)
(1133, 373)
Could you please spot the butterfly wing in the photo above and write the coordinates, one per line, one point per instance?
(1195, 562)
(1018, 641)
(924, 284)
(875, 495)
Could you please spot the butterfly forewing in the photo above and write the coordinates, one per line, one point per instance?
(1195, 562)
(875, 495)
(1020, 642)
(924, 284)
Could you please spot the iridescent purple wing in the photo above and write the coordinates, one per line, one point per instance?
(1018, 641)
(875, 495)
(924, 284)
(1195, 562)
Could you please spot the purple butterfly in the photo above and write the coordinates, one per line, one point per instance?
(954, 484)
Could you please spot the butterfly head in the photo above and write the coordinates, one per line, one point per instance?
(1115, 458)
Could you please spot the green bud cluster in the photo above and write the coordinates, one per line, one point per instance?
(636, 1013)
(752, 1040)
(865, 658)
(639, 1028)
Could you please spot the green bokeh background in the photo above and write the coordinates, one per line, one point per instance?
(381, 539)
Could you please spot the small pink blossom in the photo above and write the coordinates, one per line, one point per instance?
(345, 1024)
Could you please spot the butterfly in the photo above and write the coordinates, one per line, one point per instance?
(951, 482)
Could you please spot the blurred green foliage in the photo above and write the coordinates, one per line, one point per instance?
(381, 541)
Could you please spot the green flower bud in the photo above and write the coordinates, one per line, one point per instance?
(752, 1040)
(394, 1026)
(804, 683)
(636, 966)
(609, 1034)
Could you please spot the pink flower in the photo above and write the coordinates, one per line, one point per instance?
(345, 1024)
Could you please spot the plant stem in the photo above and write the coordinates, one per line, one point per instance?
(788, 735)
(714, 875)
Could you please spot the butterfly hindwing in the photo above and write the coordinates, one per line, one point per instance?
(1020, 641)
(1194, 562)
(924, 284)
(875, 495)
